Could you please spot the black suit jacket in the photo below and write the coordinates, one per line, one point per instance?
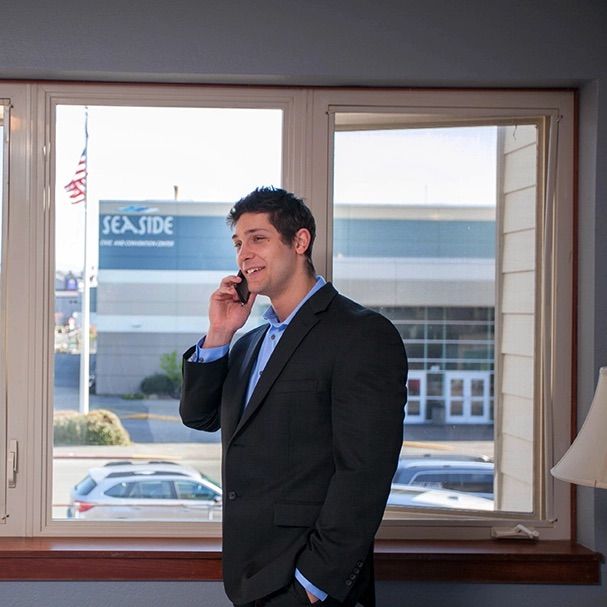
(307, 466)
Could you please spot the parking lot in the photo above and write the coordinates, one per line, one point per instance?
(70, 464)
(157, 433)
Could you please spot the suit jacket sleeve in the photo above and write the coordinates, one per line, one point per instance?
(368, 399)
(200, 403)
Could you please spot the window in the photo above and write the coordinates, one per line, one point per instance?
(4, 133)
(415, 222)
(448, 212)
(155, 490)
(15, 183)
(189, 490)
(151, 234)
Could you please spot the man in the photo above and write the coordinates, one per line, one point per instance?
(311, 410)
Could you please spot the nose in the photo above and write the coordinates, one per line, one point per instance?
(243, 253)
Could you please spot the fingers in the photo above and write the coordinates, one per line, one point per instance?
(230, 280)
(226, 291)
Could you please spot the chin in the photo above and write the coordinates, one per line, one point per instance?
(257, 289)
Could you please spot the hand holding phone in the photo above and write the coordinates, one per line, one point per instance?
(242, 288)
(227, 312)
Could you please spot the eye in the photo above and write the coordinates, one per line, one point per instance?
(237, 245)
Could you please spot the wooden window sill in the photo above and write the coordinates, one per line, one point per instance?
(122, 559)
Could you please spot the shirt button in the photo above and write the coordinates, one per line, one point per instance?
(232, 495)
(272, 336)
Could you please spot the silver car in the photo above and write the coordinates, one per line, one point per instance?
(152, 490)
(474, 478)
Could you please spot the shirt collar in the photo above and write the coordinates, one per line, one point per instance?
(271, 317)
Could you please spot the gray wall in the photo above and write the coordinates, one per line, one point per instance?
(536, 43)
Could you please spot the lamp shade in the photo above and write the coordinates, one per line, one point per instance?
(585, 462)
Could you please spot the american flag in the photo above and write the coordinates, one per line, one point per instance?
(76, 188)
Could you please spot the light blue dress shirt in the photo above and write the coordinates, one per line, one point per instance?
(270, 340)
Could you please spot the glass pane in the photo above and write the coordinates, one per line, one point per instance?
(416, 351)
(477, 387)
(477, 408)
(413, 386)
(457, 407)
(470, 351)
(146, 202)
(435, 351)
(414, 229)
(187, 490)
(456, 387)
(436, 332)
(435, 384)
(413, 407)
(153, 490)
(409, 332)
(479, 331)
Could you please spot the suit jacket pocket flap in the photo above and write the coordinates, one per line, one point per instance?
(296, 515)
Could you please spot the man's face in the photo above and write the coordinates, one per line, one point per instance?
(269, 264)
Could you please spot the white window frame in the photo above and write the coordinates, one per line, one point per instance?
(307, 145)
(17, 364)
(5, 468)
(554, 289)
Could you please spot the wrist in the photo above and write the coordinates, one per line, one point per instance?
(217, 338)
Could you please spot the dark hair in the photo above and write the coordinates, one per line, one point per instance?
(287, 213)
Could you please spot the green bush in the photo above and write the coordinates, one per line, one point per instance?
(159, 383)
(98, 427)
(167, 383)
(171, 365)
(133, 396)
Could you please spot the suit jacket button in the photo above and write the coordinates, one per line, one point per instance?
(348, 582)
(352, 576)
(359, 564)
(356, 570)
(232, 495)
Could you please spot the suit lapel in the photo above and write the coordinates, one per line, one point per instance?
(298, 328)
(240, 384)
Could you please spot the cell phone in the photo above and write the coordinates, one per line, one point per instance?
(242, 288)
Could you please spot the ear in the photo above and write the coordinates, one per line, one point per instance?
(301, 241)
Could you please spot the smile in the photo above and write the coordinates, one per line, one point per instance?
(252, 270)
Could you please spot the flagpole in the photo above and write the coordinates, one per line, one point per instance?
(85, 320)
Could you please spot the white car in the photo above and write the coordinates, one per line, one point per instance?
(420, 497)
(151, 490)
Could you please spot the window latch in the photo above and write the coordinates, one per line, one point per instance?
(518, 532)
(12, 464)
